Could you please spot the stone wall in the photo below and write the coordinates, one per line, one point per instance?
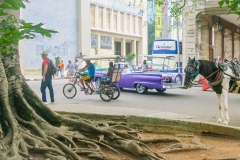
(59, 15)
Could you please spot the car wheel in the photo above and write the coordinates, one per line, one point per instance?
(98, 82)
(161, 90)
(141, 89)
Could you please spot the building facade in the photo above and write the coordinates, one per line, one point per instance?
(104, 27)
(209, 33)
(117, 27)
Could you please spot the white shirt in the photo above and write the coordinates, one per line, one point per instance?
(144, 67)
(76, 66)
(126, 70)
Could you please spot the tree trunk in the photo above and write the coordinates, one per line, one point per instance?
(30, 128)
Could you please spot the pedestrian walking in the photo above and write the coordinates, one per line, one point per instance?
(46, 79)
(61, 66)
(76, 66)
(144, 66)
(70, 70)
(59, 70)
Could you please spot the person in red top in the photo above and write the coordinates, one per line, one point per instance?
(61, 65)
(46, 79)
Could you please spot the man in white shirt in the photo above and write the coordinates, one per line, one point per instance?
(144, 66)
(76, 66)
(126, 69)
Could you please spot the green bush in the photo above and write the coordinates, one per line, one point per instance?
(130, 57)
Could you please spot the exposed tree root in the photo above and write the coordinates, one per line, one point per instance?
(179, 147)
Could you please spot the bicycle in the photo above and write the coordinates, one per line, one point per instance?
(69, 90)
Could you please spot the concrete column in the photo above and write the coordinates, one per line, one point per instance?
(134, 49)
(237, 46)
(228, 44)
(123, 45)
(204, 54)
(134, 46)
(111, 19)
(190, 30)
(96, 16)
(118, 21)
(217, 43)
(84, 29)
(136, 25)
(130, 31)
(104, 18)
(124, 22)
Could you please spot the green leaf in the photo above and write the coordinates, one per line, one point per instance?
(2, 13)
(16, 4)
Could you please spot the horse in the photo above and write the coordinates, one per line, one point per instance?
(221, 79)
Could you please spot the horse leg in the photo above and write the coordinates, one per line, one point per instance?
(225, 105)
(220, 106)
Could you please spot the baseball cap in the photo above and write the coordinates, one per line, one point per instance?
(44, 53)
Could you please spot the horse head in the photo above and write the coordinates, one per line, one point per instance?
(191, 70)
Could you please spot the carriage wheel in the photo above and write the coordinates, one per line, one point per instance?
(69, 91)
(116, 92)
(106, 93)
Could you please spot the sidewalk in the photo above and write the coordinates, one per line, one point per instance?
(93, 109)
(39, 78)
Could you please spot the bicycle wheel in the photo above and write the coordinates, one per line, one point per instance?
(116, 92)
(106, 94)
(69, 91)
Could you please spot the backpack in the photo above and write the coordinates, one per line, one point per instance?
(52, 70)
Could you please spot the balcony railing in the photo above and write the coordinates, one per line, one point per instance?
(116, 5)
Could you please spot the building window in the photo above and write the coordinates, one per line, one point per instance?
(94, 41)
(117, 48)
(106, 42)
(158, 20)
(128, 48)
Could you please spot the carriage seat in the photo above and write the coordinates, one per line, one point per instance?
(116, 75)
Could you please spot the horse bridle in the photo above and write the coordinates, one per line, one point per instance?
(191, 67)
(189, 70)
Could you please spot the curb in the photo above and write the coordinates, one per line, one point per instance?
(158, 125)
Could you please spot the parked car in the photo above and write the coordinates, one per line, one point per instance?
(143, 81)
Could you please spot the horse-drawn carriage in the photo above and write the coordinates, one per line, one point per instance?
(108, 90)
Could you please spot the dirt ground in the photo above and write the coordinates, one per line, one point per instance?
(222, 148)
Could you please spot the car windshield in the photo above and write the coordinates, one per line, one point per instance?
(121, 66)
(164, 64)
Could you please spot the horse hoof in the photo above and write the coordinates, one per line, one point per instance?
(225, 123)
(219, 121)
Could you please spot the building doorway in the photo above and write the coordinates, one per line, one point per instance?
(117, 48)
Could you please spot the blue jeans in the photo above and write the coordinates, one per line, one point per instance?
(58, 72)
(44, 85)
(62, 72)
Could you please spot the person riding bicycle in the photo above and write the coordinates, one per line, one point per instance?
(91, 73)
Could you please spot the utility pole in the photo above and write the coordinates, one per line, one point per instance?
(178, 45)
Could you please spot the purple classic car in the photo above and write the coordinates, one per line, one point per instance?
(142, 81)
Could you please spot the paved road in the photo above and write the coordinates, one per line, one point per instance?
(188, 104)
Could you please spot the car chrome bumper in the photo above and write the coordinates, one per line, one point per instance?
(171, 85)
